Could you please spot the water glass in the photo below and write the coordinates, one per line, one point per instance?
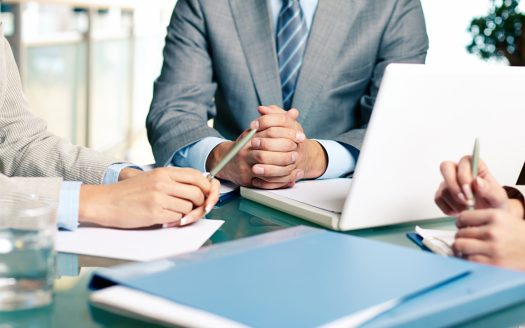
(27, 230)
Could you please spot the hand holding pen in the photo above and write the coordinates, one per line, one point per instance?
(468, 184)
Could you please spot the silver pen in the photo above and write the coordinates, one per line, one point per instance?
(230, 155)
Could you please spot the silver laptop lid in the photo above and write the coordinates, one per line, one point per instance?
(422, 116)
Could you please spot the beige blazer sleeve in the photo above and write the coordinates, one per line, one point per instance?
(27, 149)
(47, 188)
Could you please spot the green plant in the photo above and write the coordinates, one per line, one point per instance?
(500, 33)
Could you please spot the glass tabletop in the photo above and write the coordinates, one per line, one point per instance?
(243, 218)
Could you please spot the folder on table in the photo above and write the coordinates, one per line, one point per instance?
(303, 277)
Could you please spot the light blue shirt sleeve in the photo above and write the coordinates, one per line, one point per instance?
(113, 172)
(341, 161)
(196, 154)
(69, 198)
(68, 205)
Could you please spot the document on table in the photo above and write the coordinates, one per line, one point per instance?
(139, 244)
(327, 194)
(439, 241)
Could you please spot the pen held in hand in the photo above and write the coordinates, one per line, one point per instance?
(231, 154)
(471, 200)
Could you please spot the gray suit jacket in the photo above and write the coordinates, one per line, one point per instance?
(27, 149)
(220, 62)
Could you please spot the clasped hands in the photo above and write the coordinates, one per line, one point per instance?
(278, 155)
(494, 232)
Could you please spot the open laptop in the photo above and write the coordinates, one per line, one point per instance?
(423, 115)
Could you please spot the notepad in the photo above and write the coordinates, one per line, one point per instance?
(438, 241)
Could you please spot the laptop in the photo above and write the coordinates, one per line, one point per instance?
(423, 115)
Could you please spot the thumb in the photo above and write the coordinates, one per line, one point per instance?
(490, 192)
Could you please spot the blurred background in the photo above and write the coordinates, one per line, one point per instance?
(88, 66)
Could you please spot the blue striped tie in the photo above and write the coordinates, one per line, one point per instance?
(291, 43)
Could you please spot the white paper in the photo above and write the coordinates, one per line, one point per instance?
(227, 187)
(123, 299)
(136, 245)
(327, 194)
(439, 241)
(446, 236)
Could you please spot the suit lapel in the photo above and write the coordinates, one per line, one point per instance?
(256, 35)
(330, 27)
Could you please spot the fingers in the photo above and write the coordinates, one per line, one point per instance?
(451, 189)
(482, 259)
(490, 192)
(282, 133)
(476, 218)
(197, 213)
(187, 192)
(272, 158)
(275, 144)
(271, 185)
(273, 116)
(471, 247)
(267, 172)
(177, 205)
(213, 196)
(186, 176)
(464, 171)
(480, 232)
(272, 109)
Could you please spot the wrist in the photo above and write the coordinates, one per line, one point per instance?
(216, 155)
(516, 208)
(90, 207)
(127, 173)
(315, 161)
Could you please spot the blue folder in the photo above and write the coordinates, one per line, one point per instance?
(307, 277)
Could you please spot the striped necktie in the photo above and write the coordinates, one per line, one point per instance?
(291, 43)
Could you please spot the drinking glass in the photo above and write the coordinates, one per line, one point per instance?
(27, 230)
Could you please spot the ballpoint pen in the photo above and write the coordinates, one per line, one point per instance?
(230, 155)
(471, 200)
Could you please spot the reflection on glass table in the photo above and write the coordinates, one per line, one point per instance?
(242, 218)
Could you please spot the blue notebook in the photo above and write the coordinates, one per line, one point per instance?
(306, 277)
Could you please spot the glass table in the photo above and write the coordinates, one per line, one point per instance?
(243, 218)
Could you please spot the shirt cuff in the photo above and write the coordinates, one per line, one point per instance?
(196, 154)
(341, 161)
(68, 205)
(113, 172)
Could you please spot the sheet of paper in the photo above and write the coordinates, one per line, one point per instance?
(327, 194)
(136, 245)
(446, 236)
(438, 241)
(227, 187)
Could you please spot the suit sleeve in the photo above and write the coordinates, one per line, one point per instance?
(516, 192)
(47, 188)
(404, 41)
(27, 149)
(183, 98)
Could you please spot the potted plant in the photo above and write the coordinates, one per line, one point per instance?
(500, 33)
